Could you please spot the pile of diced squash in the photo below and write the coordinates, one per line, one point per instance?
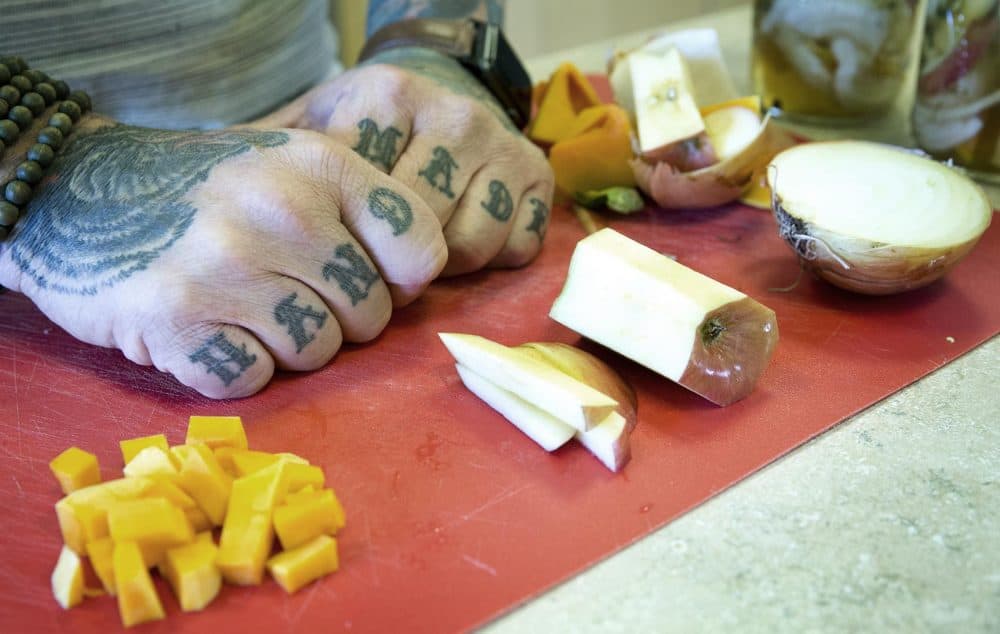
(163, 514)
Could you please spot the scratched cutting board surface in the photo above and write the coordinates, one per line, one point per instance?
(453, 515)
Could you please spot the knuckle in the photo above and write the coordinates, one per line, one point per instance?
(469, 119)
(176, 304)
(229, 253)
(396, 85)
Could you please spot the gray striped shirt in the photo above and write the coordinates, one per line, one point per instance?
(176, 63)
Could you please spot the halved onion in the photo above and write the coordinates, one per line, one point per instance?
(716, 184)
(873, 218)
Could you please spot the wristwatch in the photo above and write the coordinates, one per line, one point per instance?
(479, 46)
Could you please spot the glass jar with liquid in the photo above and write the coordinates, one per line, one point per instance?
(956, 114)
(834, 62)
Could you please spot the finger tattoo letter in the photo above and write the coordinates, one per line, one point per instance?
(386, 204)
(500, 205)
(377, 146)
(351, 271)
(540, 213)
(223, 358)
(440, 166)
(293, 316)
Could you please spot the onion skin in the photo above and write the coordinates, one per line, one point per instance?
(733, 347)
(686, 155)
(717, 184)
(863, 266)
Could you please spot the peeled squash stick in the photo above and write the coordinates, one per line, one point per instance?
(700, 333)
(532, 385)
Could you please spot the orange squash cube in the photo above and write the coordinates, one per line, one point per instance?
(67, 579)
(137, 598)
(198, 520)
(295, 568)
(83, 514)
(216, 431)
(203, 479)
(165, 488)
(153, 524)
(301, 475)
(100, 552)
(247, 461)
(303, 494)
(75, 469)
(192, 573)
(244, 548)
(152, 461)
(248, 532)
(132, 446)
(240, 462)
(304, 518)
(224, 456)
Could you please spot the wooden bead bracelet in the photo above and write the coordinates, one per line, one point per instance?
(25, 94)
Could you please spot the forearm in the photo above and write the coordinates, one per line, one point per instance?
(382, 12)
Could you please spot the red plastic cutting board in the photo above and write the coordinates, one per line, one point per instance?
(453, 515)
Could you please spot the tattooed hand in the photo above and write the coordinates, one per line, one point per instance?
(420, 117)
(219, 256)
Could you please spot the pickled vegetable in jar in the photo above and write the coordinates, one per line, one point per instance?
(835, 59)
(957, 110)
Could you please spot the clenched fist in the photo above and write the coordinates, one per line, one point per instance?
(420, 117)
(218, 256)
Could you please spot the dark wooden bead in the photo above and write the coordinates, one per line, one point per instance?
(61, 122)
(81, 98)
(41, 154)
(10, 94)
(21, 116)
(36, 76)
(29, 171)
(13, 64)
(9, 131)
(21, 82)
(34, 102)
(5, 74)
(17, 192)
(47, 91)
(50, 136)
(62, 88)
(70, 109)
(8, 214)
(4, 108)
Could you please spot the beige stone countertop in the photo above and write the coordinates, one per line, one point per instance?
(890, 522)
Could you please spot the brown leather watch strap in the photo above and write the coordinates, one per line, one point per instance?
(452, 37)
